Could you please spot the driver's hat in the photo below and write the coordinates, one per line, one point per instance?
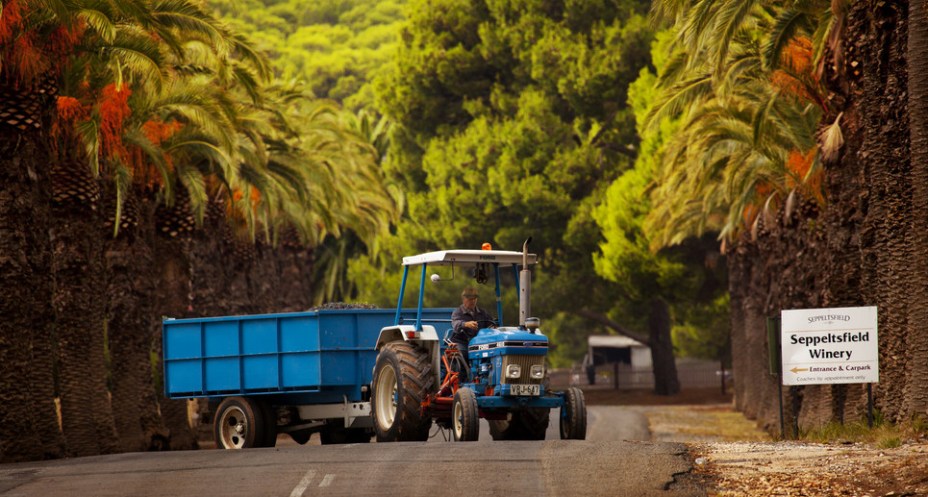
(469, 292)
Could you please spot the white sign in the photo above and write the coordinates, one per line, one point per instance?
(829, 346)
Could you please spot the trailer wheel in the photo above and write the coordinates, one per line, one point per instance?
(269, 426)
(402, 380)
(239, 424)
(465, 418)
(525, 424)
(573, 415)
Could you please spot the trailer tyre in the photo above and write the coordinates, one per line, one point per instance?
(402, 380)
(239, 424)
(573, 415)
(465, 417)
(269, 424)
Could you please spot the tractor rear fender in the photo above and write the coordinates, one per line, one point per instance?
(406, 333)
(427, 338)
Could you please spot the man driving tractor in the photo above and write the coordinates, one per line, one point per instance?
(467, 319)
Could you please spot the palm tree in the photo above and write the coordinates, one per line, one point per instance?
(746, 88)
(170, 111)
(750, 111)
(917, 373)
(28, 424)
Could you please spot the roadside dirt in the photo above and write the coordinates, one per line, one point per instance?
(734, 458)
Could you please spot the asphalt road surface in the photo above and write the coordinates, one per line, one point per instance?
(615, 460)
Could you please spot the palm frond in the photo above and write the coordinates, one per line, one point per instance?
(731, 17)
(678, 97)
(788, 23)
(99, 22)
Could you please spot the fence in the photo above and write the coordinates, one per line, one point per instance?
(692, 373)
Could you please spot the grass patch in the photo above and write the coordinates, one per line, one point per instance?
(716, 423)
(883, 434)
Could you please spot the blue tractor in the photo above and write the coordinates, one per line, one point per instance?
(420, 378)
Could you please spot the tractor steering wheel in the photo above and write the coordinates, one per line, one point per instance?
(486, 323)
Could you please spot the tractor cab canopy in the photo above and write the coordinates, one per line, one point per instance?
(481, 260)
(468, 257)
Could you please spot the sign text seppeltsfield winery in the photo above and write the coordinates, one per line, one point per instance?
(828, 346)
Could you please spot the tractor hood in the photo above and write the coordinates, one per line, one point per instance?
(494, 338)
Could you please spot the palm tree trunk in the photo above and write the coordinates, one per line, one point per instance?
(28, 421)
(871, 189)
(174, 294)
(86, 413)
(130, 313)
(916, 374)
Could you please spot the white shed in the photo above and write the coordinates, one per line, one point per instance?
(609, 349)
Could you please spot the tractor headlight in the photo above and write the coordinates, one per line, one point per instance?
(538, 372)
(513, 371)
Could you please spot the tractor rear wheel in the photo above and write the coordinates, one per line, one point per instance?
(525, 424)
(573, 415)
(465, 417)
(402, 380)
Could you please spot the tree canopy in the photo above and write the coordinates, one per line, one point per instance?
(334, 47)
(511, 121)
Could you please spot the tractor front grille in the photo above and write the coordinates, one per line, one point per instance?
(525, 363)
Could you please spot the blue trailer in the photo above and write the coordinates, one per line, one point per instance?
(349, 374)
(298, 373)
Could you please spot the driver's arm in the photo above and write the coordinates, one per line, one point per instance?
(458, 320)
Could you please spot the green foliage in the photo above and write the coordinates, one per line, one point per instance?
(335, 47)
(704, 332)
(745, 83)
(680, 276)
(510, 120)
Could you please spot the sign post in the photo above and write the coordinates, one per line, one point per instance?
(830, 346)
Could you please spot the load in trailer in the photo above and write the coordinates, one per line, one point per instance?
(352, 373)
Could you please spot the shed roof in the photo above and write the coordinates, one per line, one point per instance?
(613, 341)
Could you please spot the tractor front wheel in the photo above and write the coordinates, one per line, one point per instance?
(573, 415)
(402, 380)
(465, 418)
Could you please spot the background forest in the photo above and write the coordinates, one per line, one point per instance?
(686, 168)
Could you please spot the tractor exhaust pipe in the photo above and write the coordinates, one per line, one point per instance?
(525, 287)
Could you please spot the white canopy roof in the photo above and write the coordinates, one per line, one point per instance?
(446, 257)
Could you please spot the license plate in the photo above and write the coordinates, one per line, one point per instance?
(525, 389)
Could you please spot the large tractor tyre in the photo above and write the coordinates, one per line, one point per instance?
(526, 424)
(573, 415)
(402, 380)
(465, 417)
(239, 424)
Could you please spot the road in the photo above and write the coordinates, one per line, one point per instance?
(615, 460)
